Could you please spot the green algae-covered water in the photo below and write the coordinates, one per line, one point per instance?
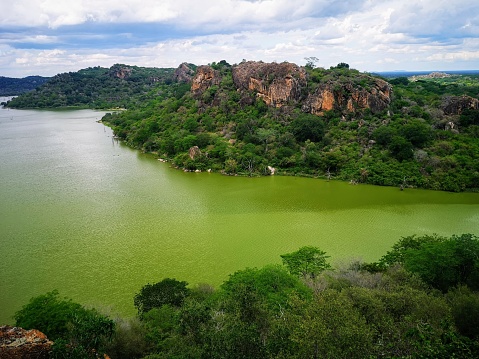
(84, 214)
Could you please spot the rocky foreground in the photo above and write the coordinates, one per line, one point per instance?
(19, 343)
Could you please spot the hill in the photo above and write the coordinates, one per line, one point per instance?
(10, 86)
(96, 87)
(257, 118)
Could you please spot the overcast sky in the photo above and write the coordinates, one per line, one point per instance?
(46, 37)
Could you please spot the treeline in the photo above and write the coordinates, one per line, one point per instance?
(120, 86)
(10, 86)
(420, 300)
(413, 143)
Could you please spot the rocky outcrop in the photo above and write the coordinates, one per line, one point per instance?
(432, 75)
(276, 84)
(194, 152)
(348, 97)
(20, 343)
(121, 72)
(286, 83)
(204, 78)
(456, 105)
(184, 73)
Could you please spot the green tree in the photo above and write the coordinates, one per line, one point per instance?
(401, 148)
(168, 291)
(308, 261)
(77, 332)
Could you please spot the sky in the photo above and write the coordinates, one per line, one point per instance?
(47, 37)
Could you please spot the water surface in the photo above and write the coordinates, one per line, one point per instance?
(84, 214)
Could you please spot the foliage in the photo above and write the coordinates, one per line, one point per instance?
(167, 292)
(270, 313)
(77, 331)
(120, 86)
(14, 86)
(306, 262)
(441, 262)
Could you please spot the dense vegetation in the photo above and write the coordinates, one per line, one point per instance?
(405, 145)
(10, 86)
(420, 300)
(414, 142)
(120, 86)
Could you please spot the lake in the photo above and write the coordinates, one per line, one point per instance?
(84, 214)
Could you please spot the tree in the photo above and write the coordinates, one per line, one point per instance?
(440, 262)
(311, 62)
(168, 291)
(49, 314)
(401, 148)
(306, 262)
(78, 332)
(308, 127)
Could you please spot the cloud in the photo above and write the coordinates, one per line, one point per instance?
(47, 37)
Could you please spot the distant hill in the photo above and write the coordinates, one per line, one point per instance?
(10, 86)
(96, 87)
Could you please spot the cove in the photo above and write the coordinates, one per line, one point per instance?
(84, 214)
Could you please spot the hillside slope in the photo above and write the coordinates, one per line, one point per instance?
(96, 87)
(10, 86)
(256, 118)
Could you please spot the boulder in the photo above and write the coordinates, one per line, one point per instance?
(276, 84)
(204, 78)
(19, 343)
(455, 105)
(184, 73)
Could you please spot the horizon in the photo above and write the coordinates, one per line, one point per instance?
(48, 38)
(381, 73)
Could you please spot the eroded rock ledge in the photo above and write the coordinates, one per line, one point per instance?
(18, 343)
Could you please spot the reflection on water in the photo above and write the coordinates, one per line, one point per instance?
(84, 214)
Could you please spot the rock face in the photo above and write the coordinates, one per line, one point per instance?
(276, 84)
(121, 72)
(205, 77)
(286, 83)
(184, 73)
(457, 104)
(194, 152)
(347, 97)
(18, 343)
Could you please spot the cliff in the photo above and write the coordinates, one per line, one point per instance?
(287, 83)
(456, 105)
(18, 343)
(276, 84)
(205, 77)
(184, 73)
(349, 97)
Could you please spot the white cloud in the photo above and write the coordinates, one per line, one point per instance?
(369, 35)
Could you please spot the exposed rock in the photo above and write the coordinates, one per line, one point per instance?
(450, 126)
(194, 151)
(348, 98)
(275, 83)
(205, 77)
(122, 72)
(184, 73)
(278, 84)
(20, 343)
(432, 75)
(455, 105)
